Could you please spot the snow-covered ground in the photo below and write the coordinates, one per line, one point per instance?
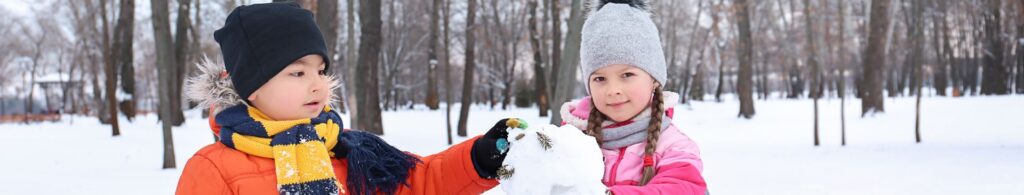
(972, 145)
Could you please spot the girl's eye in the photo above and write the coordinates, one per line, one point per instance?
(628, 74)
(322, 72)
(297, 74)
(598, 79)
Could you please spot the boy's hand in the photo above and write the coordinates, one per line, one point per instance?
(489, 151)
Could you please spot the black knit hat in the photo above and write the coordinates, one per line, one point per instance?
(258, 41)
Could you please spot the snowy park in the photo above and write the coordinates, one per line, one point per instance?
(733, 97)
(969, 146)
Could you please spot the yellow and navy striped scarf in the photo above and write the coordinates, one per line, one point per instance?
(301, 149)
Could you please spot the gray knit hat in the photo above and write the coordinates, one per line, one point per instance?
(621, 32)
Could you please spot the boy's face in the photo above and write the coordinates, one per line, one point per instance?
(621, 91)
(298, 91)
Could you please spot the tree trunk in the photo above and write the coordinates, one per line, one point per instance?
(556, 48)
(874, 58)
(812, 61)
(165, 64)
(916, 29)
(447, 72)
(432, 101)
(123, 34)
(327, 21)
(196, 44)
(721, 76)
(687, 76)
(369, 60)
(181, 48)
(110, 86)
(540, 84)
(1020, 49)
(944, 54)
(470, 64)
(745, 84)
(841, 88)
(351, 91)
(696, 89)
(569, 61)
(671, 84)
(994, 80)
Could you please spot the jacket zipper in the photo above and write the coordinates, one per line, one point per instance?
(615, 167)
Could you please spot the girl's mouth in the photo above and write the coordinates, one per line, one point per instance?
(618, 104)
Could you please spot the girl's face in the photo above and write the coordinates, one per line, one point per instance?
(298, 91)
(621, 91)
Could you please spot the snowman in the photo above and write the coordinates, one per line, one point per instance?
(551, 160)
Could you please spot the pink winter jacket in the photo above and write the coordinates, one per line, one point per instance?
(677, 158)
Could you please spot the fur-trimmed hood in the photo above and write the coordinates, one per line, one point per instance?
(212, 87)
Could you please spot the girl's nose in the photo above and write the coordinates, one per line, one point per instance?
(614, 92)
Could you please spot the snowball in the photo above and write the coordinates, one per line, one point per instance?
(552, 160)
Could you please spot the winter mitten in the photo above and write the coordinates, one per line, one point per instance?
(489, 151)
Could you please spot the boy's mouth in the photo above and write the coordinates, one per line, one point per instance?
(313, 104)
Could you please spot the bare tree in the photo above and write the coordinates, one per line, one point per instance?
(509, 37)
(349, 70)
(123, 56)
(327, 21)
(368, 105)
(467, 83)
(6, 55)
(994, 80)
(540, 83)
(403, 35)
(569, 61)
(110, 71)
(555, 7)
(181, 55)
(944, 51)
(746, 50)
(1020, 48)
(688, 76)
(433, 101)
(916, 53)
(812, 61)
(448, 88)
(841, 87)
(874, 56)
(165, 61)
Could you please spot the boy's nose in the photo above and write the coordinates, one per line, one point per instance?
(318, 84)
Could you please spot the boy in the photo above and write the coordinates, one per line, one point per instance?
(278, 134)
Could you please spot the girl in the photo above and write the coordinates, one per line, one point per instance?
(622, 60)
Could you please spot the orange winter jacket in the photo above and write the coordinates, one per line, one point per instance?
(218, 169)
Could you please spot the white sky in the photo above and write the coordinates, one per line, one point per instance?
(16, 7)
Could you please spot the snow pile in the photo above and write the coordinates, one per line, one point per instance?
(552, 160)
